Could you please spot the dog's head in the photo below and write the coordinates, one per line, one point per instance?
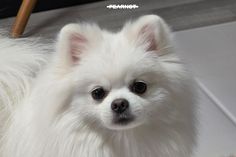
(121, 80)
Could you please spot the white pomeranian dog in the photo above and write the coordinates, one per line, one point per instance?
(101, 94)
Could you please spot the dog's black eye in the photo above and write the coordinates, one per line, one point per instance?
(138, 87)
(98, 93)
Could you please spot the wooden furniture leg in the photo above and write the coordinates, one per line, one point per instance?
(22, 17)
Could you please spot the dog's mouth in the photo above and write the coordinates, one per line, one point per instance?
(123, 119)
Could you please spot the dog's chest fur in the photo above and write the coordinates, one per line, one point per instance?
(145, 143)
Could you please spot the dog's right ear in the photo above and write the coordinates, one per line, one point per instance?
(73, 40)
(151, 31)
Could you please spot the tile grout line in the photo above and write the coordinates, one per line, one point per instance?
(217, 102)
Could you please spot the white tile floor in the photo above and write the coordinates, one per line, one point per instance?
(211, 54)
(211, 51)
(217, 135)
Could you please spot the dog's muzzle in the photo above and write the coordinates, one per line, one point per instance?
(122, 115)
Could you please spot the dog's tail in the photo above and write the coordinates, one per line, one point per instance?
(20, 60)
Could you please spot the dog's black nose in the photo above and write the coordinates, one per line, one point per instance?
(119, 105)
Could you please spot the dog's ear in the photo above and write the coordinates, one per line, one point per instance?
(150, 31)
(75, 39)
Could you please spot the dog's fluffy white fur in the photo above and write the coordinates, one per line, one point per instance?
(51, 113)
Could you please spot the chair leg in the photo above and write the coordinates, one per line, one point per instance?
(22, 17)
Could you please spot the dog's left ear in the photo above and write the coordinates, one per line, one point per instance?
(74, 40)
(150, 31)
